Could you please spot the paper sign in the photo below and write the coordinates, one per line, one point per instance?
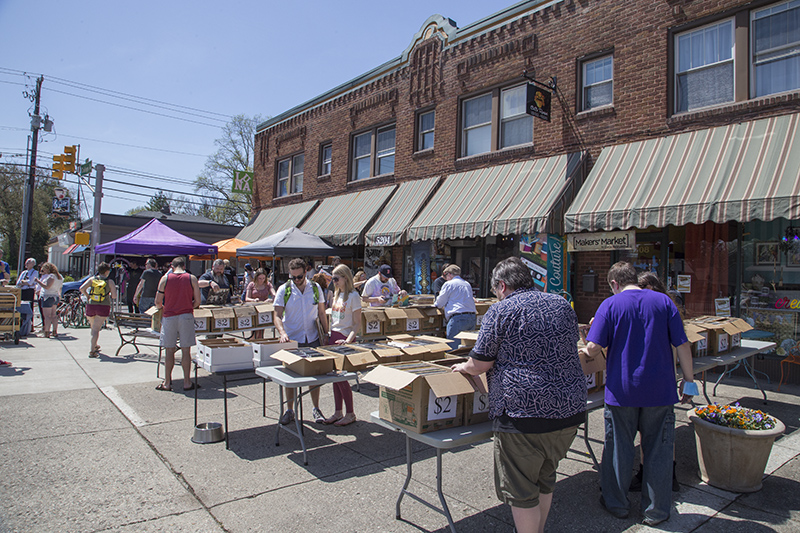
(441, 408)
(684, 283)
(373, 327)
(199, 325)
(722, 307)
(412, 324)
(480, 403)
(221, 323)
(245, 322)
(265, 318)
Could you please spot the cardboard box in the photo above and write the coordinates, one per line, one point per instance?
(223, 319)
(415, 320)
(722, 333)
(306, 361)
(372, 321)
(476, 403)
(265, 314)
(481, 306)
(217, 341)
(350, 357)
(263, 349)
(228, 356)
(202, 320)
(420, 347)
(595, 382)
(467, 338)
(434, 319)
(422, 299)
(698, 336)
(246, 317)
(382, 352)
(155, 318)
(395, 321)
(420, 397)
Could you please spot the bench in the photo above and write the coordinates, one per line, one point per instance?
(132, 328)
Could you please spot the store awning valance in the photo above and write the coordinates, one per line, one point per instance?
(342, 220)
(390, 227)
(69, 249)
(740, 172)
(522, 197)
(275, 219)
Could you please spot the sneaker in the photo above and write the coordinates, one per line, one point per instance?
(317, 415)
(287, 417)
(4, 363)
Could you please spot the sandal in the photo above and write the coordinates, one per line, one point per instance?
(95, 353)
(332, 419)
(163, 386)
(348, 419)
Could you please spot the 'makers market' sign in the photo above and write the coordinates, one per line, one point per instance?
(604, 241)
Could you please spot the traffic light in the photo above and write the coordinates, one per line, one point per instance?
(58, 166)
(69, 158)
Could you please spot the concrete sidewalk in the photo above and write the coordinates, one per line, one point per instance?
(90, 445)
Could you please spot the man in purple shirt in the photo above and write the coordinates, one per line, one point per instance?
(639, 328)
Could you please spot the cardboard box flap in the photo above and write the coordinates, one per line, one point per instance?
(371, 314)
(245, 310)
(264, 308)
(152, 311)
(200, 312)
(741, 325)
(223, 312)
(449, 384)
(480, 383)
(693, 332)
(432, 311)
(289, 358)
(466, 335)
(415, 312)
(391, 378)
(361, 358)
(394, 314)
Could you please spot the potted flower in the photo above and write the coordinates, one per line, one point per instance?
(733, 445)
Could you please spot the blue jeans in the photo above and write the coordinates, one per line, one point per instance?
(657, 426)
(457, 324)
(146, 303)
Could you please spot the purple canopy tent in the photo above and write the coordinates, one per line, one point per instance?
(154, 238)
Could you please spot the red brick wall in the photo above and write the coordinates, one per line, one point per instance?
(586, 303)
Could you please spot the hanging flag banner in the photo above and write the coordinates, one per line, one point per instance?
(537, 103)
(242, 182)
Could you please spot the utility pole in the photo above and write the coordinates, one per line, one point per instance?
(27, 203)
(98, 195)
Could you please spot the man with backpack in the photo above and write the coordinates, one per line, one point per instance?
(299, 303)
(98, 291)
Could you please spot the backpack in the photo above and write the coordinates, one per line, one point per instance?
(98, 290)
(287, 292)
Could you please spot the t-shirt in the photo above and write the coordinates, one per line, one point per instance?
(259, 294)
(342, 310)
(133, 281)
(375, 287)
(222, 281)
(151, 277)
(639, 328)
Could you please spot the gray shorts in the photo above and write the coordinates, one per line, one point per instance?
(174, 327)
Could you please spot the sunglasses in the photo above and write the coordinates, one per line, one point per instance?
(334, 278)
(298, 278)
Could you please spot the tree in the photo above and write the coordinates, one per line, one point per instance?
(235, 152)
(13, 179)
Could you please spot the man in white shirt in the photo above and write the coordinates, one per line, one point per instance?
(458, 303)
(298, 304)
(378, 289)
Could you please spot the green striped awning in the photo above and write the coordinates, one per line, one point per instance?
(342, 220)
(523, 197)
(275, 219)
(389, 229)
(740, 172)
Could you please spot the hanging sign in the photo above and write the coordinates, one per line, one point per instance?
(242, 182)
(537, 103)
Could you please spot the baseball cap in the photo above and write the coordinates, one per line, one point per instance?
(247, 266)
(386, 270)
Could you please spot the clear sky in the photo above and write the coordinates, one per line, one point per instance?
(216, 59)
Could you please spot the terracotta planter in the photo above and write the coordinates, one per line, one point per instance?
(733, 459)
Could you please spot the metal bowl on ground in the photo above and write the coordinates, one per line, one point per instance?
(208, 432)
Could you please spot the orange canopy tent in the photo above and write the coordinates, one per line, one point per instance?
(226, 249)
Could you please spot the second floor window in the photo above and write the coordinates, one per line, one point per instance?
(598, 83)
(426, 123)
(373, 153)
(290, 175)
(484, 130)
(704, 67)
(775, 37)
(325, 156)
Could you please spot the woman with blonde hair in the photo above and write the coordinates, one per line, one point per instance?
(345, 324)
(51, 281)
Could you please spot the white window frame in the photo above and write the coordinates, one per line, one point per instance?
(522, 115)
(326, 161)
(752, 51)
(421, 133)
(584, 85)
(676, 59)
(496, 121)
(466, 129)
(374, 157)
(294, 177)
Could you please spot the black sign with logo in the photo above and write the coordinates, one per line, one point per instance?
(537, 103)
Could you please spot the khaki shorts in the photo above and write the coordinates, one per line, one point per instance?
(175, 327)
(525, 464)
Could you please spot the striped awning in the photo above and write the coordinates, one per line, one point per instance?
(79, 249)
(741, 172)
(342, 220)
(523, 197)
(275, 219)
(69, 249)
(390, 227)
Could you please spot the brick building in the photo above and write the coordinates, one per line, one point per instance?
(431, 158)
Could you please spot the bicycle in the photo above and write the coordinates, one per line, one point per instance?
(72, 312)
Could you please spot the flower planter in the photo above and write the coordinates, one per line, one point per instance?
(733, 459)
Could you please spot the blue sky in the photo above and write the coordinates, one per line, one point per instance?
(227, 58)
